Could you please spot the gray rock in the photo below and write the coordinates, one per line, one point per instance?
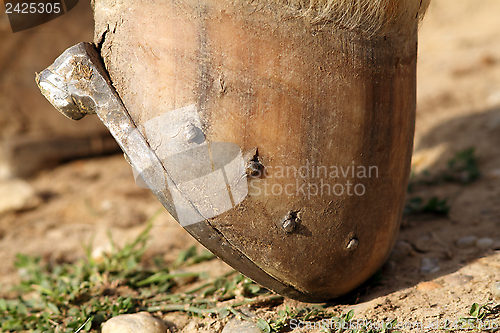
(484, 243)
(495, 290)
(192, 327)
(4, 169)
(141, 322)
(457, 279)
(16, 195)
(401, 250)
(466, 242)
(236, 325)
(429, 266)
(424, 243)
(494, 174)
(100, 252)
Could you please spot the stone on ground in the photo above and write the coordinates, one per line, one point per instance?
(141, 322)
(495, 290)
(236, 325)
(485, 243)
(17, 195)
(466, 242)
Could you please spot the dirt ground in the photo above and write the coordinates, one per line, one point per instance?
(429, 278)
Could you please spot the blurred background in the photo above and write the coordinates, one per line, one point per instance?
(63, 183)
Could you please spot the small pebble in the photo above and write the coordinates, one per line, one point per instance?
(428, 286)
(4, 171)
(17, 195)
(192, 327)
(466, 242)
(100, 252)
(457, 279)
(494, 100)
(401, 250)
(484, 243)
(424, 243)
(494, 174)
(429, 266)
(141, 322)
(495, 290)
(236, 325)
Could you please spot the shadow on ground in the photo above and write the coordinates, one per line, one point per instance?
(474, 209)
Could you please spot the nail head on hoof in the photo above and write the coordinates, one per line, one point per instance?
(193, 134)
(353, 244)
(253, 167)
(289, 223)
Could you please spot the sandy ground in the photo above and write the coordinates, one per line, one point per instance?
(429, 280)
